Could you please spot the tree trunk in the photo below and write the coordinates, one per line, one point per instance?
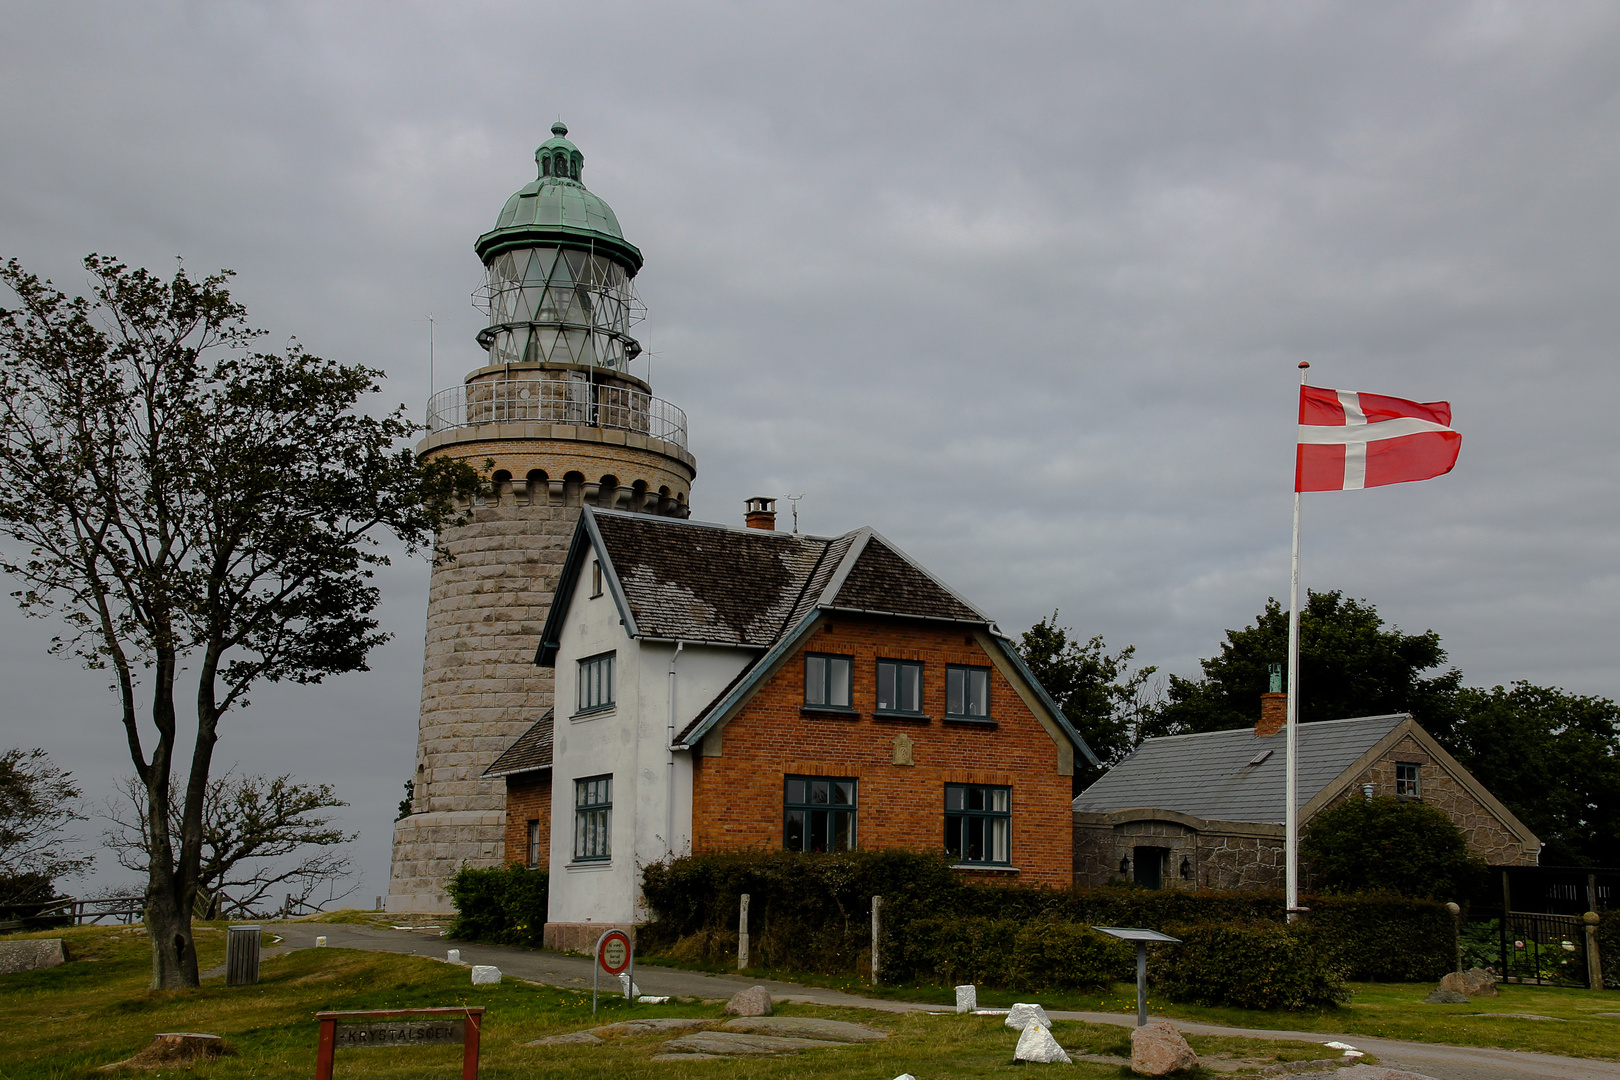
(174, 955)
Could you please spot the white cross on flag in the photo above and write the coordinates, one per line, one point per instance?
(1349, 441)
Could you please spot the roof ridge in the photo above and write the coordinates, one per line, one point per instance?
(857, 544)
(929, 574)
(787, 616)
(633, 515)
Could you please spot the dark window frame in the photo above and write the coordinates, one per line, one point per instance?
(807, 828)
(877, 689)
(826, 705)
(963, 817)
(596, 578)
(587, 849)
(1409, 787)
(531, 844)
(967, 670)
(584, 688)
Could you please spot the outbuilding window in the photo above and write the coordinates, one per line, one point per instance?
(818, 813)
(978, 824)
(534, 844)
(1408, 783)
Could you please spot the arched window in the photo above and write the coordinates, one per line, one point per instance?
(562, 163)
(545, 165)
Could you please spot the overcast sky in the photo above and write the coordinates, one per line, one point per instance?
(1022, 286)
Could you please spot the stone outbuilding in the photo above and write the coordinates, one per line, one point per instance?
(1206, 810)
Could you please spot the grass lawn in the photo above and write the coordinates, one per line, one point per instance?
(1389, 1010)
(64, 1023)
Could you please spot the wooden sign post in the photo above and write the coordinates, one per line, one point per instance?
(401, 1027)
(614, 954)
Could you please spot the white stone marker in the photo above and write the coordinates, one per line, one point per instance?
(486, 975)
(1019, 1016)
(320, 941)
(967, 998)
(624, 984)
(1037, 1044)
(454, 956)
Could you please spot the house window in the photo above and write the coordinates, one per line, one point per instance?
(534, 845)
(978, 823)
(1407, 785)
(596, 683)
(826, 681)
(899, 686)
(596, 578)
(967, 692)
(818, 813)
(593, 818)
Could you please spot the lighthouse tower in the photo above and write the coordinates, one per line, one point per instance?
(566, 425)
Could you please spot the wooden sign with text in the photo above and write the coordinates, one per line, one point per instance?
(401, 1027)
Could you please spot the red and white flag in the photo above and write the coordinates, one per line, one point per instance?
(1349, 440)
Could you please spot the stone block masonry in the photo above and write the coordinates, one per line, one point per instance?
(487, 606)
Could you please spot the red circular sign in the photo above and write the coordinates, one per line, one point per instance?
(613, 952)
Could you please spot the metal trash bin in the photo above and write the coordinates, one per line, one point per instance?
(241, 955)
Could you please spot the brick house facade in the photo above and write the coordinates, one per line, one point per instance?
(1206, 810)
(727, 688)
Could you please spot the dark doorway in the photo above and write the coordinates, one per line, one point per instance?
(1149, 862)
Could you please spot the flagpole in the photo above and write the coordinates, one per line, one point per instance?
(1291, 785)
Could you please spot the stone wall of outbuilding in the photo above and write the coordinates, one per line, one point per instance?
(1245, 855)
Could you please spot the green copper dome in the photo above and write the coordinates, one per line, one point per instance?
(556, 209)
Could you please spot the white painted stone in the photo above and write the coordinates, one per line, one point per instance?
(1037, 1044)
(967, 998)
(1019, 1016)
(454, 956)
(486, 975)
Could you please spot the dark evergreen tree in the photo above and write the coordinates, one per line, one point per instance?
(1351, 664)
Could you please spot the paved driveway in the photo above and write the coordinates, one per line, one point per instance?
(1441, 1062)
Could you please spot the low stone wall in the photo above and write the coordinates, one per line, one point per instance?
(32, 954)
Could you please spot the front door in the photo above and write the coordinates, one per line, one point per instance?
(1149, 863)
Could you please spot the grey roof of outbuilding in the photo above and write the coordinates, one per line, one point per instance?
(1210, 775)
(531, 752)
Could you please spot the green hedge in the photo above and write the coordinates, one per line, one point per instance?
(1044, 954)
(1247, 965)
(812, 913)
(500, 906)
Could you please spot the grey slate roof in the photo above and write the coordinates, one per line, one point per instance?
(531, 752)
(1209, 775)
(706, 582)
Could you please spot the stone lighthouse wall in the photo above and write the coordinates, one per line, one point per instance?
(486, 609)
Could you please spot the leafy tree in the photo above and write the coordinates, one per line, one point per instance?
(1385, 844)
(37, 802)
(250, 826)
(188, 505)
(1097, 691)
(1351, 664)
(1551, 757)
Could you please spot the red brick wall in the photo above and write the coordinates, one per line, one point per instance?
(528, 798)
(737, 797)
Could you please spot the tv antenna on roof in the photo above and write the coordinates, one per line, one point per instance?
(794, 499)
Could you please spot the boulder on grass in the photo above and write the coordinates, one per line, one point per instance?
(754, 1001)
(1019, 1016)
(1475, 982)
(1037, 1044)
(1442, 996)
(31, 954)
(486, 975)
(1157, 1049)
(171, 1048)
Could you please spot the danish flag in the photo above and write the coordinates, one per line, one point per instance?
(1349, 441)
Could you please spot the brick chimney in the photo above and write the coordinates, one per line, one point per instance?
(761, 513)
(1273, 714)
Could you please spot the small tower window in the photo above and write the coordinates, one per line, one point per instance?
(562, 164)
(545, 166)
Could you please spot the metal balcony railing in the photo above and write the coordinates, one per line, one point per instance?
(556, 401)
